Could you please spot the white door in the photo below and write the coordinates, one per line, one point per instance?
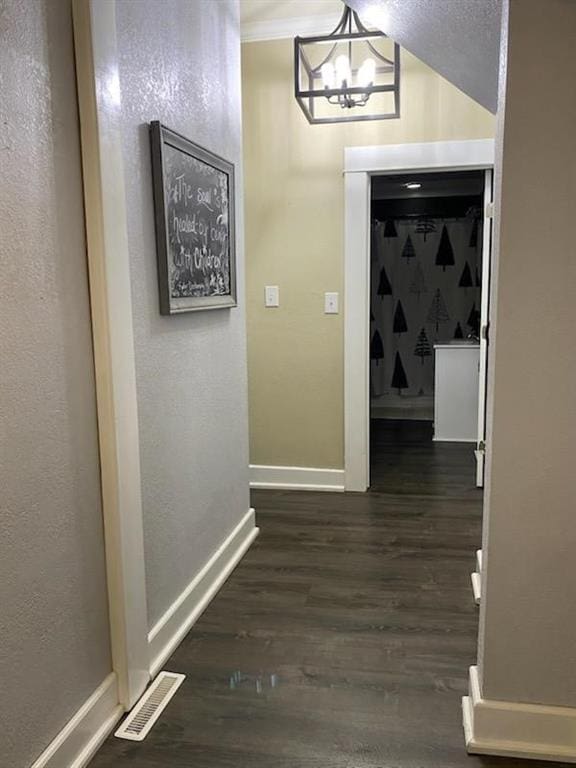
(484, 326)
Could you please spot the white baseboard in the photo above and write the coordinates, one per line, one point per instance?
(171, 629)
(296, 478)
(82, 736)
(480, 459)
(476, 587)
(511, 729)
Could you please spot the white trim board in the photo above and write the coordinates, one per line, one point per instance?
(296, 478)
(360, 163)
(431, 156)
(81, 737)
(476, 580)
(170, 630)
(479, 561)
(512, 729)
(357, 331)
(276, 29)
(100, 111)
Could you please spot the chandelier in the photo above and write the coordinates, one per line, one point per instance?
(351, 74)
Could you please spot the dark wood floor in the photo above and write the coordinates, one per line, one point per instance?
(344, 637)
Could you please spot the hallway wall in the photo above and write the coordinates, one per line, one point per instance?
(528, 624)
(295, 239)
(180, 64)
(54, 633)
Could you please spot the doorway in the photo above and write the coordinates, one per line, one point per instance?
(361, 164)
(425, 315)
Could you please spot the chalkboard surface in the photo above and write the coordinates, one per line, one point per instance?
(194, 203)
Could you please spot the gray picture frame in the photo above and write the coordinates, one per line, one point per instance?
(167, 147)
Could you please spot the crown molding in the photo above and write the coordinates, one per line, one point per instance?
(276, 29)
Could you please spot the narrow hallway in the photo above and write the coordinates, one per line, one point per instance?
(344, 637)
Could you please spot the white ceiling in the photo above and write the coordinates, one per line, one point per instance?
(269, 19)
(265, 10)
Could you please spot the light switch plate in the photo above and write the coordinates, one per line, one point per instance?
(272, 296)
(331, 303)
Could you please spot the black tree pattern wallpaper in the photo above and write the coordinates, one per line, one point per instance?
(425, 291)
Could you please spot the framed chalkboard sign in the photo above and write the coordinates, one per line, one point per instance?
(195, 239)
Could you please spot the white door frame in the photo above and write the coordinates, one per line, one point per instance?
(112, 331)
(360, 163)
(484, 324)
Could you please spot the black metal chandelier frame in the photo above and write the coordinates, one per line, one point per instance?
(350, 96)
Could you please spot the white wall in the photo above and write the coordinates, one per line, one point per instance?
(54, 635)
(180, 64)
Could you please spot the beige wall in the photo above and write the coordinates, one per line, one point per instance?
(528, 624)
(294, 238)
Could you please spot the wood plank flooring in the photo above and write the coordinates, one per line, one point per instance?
(344, 637)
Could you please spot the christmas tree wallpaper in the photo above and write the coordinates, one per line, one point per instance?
(424, 291)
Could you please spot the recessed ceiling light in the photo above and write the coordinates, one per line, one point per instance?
(413, 185)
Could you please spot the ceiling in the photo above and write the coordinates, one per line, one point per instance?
(442, 195)
(436, 184)
(269, 19)
(460, 39)
(265, 10)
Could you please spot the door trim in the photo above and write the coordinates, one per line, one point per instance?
(360, 163)
(488, 218)
(113, 337)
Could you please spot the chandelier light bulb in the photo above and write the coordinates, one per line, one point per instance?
(367, 73)
(328, 75)
(343, 74)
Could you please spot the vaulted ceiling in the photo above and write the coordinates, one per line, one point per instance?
(460, 39)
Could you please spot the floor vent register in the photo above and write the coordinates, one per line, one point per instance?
(145, 713)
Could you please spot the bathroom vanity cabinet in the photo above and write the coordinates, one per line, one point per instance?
(456, 391)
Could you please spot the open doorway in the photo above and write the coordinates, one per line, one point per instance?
(426, 301)
(361, 165)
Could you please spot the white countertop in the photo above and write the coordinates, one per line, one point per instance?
(459, 345)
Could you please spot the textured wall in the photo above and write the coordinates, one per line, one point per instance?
(459, 38)
(527, 649)
(54, 637)
(295, 239)
(180, 63)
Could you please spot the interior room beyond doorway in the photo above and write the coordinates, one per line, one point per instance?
(425, 298)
